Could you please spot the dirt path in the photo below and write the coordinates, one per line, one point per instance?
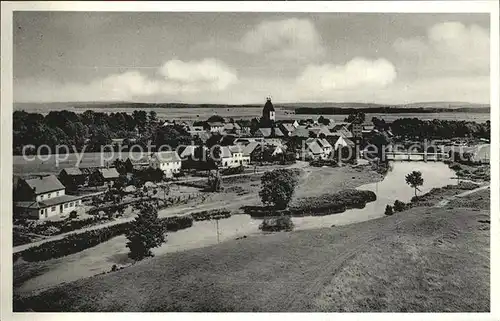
(447, 200)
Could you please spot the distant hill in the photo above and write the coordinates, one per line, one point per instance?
(345, 106)
(446, 104)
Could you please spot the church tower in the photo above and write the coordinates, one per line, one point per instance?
(268, 112)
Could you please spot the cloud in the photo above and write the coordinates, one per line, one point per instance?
(449, 47)
(290, 38)
(208, 72)
(359, 72)
(175, 78)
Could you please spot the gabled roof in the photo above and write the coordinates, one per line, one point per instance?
(231, 126)
(235, 149)
(288, 127)
(315, 148)
(250, 148)
(109, 172)
(144, 159)
(167, 157)
(45, 184)
(300, 131)
(216, 124)
(188, 151)
(266, 132)
(225, 152)
(324, 143)
(72, 171)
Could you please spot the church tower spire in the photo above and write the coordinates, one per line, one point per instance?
(268, 113)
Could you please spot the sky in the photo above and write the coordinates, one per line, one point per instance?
(240, 58)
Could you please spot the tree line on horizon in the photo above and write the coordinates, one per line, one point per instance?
(96, 129)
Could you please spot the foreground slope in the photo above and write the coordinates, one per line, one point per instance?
(424, 259)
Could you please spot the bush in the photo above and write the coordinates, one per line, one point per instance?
(332, 203)
(73, 215)
(114, 268)
(276, 224)
(175, 223)
(388, 210)
(399, 206)
(467, 185)
(211, 215)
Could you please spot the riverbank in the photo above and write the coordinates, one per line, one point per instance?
(422, 259)
(37, 276)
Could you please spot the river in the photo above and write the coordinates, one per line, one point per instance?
(101, 257)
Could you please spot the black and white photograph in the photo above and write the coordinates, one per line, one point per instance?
(233, 160)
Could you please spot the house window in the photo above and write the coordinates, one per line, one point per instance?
(48, 195)
(57, 193)
(53, 209)
(41, 197)
(71, 204)
(66, 205)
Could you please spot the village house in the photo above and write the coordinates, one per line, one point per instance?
(232, 129)
(169, 162)
(43, 197)
(136, 164)
(287, 128)
(324, 145)
(269, 132)
(215, 127)
(72, 177)
(342, 141)
(313, 151)
(233, 156)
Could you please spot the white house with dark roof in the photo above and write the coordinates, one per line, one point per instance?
(169, 162)
(43, 197)
(215, 127)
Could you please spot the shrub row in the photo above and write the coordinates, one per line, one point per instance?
(73, 243)
(77, 242)
(176, 223)
(232, 170)
(332, 203)
(276, 224)
(321, 162)
(211, 215)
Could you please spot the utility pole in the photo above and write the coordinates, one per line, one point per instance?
(217, 223)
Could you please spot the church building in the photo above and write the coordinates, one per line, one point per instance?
(268, 112)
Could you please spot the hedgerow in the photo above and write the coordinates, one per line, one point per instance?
(332, 203)
(77, 242)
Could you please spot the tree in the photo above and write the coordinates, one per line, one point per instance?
(146, 232)
(388, 210)
(215, 182)
(414, 179)
(277, 187)
(358, 118)
(153, 117)
(215, 119)
(323, 120)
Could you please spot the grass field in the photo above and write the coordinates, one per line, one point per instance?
(423, 259)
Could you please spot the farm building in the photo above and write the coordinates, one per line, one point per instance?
(43, 197)
(72, 177)
(169, 162)
(133, 163)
